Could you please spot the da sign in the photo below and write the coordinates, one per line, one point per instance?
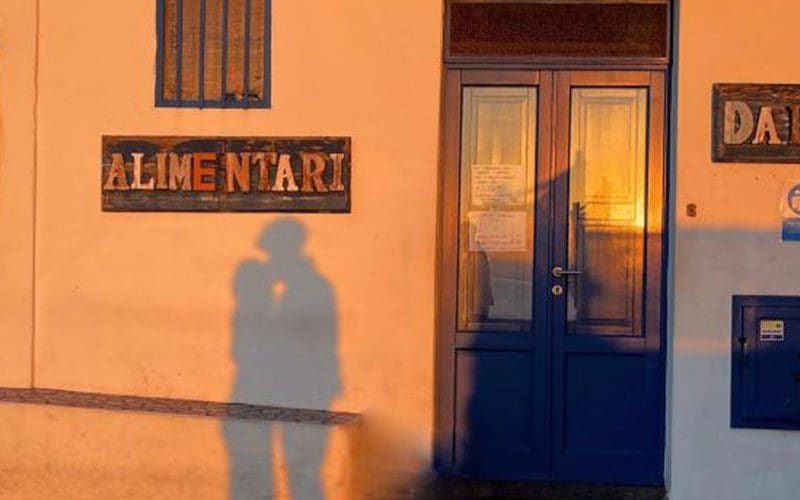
(756, 123)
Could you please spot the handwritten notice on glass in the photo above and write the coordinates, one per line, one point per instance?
(494, 185)
(497, 232)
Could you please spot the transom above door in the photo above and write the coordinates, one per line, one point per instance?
(550, 276)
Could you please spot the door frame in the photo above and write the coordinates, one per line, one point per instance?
(551, 82)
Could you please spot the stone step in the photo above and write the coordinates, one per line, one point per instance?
(77, 446)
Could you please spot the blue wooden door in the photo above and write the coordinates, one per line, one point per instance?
(550, 359)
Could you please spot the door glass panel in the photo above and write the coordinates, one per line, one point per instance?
(495, 272)
(608, 151)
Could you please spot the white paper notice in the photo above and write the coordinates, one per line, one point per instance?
(497, 231)
(494, 185)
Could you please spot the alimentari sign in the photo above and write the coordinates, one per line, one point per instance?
(226, 174)
(756, 123)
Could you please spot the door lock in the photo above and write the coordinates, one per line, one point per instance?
(557, 290)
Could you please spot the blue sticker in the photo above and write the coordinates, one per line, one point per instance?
(791, 230)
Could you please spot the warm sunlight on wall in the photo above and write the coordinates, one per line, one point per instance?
(17, 70)
(140, 303)
(732, 247)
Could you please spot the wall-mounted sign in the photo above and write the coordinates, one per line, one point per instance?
(790, 212)
(226, 174)
(756, 123)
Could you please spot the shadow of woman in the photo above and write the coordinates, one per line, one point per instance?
(285, 348)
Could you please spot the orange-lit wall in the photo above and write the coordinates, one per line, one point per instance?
(142, 303)
(732, 247)
(17, 103)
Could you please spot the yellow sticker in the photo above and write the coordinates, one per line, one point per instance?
(771, 330)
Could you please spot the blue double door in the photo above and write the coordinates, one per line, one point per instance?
(550, 352)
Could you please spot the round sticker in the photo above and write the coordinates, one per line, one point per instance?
(793, 199)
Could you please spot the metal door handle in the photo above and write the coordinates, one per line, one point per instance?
(560, 272)
(743, 344)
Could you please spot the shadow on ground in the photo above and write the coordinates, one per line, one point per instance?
(466, 489)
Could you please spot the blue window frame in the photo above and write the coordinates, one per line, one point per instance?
(213, 53)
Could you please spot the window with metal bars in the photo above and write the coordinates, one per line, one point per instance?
(213, 53)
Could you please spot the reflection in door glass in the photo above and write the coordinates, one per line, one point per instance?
(607, 209)
(495, 273)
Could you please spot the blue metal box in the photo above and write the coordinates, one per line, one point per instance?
(765, 362)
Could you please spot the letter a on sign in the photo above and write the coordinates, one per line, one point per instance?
(766, 125)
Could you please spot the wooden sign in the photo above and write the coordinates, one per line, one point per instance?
(226, 174)
(756, 123)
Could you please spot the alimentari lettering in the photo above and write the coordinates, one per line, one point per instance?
(254, 171)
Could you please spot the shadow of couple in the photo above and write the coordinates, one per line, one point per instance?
(285, 350)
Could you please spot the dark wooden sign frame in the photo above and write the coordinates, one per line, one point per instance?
(755, 123)
(226, 174)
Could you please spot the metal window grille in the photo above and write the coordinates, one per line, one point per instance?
(213, 53)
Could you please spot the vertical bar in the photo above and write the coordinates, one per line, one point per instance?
(160, 52)
(446, 278)
(201, 98)
(190, 52)
(246, 65)
(179, 59)
(655, 218)
(212, 53)
(548, 143)
(267, 80)
(169, 51)
(224, 83)
(558, 194)
(236, 51)
(257, 48)
(656, 247)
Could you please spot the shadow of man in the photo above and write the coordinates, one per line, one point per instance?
(285, 348)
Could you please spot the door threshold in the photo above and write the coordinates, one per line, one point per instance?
(452, 488)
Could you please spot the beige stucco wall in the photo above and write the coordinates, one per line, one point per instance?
(732, 247)
(142, 303)
(17, 95)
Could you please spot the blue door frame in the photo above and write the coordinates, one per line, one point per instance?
(547, 404)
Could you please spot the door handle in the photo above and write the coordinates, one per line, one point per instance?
(560, 272)
(743, 344)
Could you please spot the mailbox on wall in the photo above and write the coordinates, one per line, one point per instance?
(765, 390)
